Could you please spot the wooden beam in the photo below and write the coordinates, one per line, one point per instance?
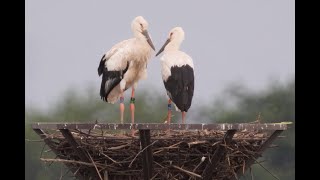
(80, 153)
(219, 154)
(161, 126)
(259, 152)
(52, 147)
(147, 158)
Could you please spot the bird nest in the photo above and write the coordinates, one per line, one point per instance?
(176, 154)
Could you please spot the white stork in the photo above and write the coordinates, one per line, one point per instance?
(177, 73)
(125, 64)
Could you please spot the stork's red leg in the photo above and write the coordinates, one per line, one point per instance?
(121, 108)
(132, 100)
(183, 117)
(169, 111)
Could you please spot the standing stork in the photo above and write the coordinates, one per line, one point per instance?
(177, 73)
(125, 64)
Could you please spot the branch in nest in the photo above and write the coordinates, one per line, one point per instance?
(188, 172)
(141, 152)
(69, 161)
(94, 165)
(196, 142)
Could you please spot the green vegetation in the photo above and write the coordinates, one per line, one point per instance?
(236, 104)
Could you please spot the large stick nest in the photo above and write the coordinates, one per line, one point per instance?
(176, 155)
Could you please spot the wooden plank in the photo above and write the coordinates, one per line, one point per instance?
(147, 159)
(219, 154)
(161, 126)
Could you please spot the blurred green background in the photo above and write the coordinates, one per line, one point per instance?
(236, 103)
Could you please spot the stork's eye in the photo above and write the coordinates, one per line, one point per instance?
(171, 34)
(141, 25)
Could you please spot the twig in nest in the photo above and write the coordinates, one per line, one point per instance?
(196, 142)
(243, 167)
(60, 173)
(265, 168)
(94, 165)
(44, 145)
(258, 120)
(119, 147)
(110, 158)
(251, 173)
(68, 161)
(61, 170)
(155, 175)
(202, 160)
(188, 172)
(29, 140)
(235, 174)
(173, 145)
(141, 152)
(75, 173)
(52, 161)
(218, 142)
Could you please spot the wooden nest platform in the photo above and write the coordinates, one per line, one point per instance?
(157, 151)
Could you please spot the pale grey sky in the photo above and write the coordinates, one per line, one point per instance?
(249, 41)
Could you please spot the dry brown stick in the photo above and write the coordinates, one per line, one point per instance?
(110, 158)
(68, 170)
(243, 167)
(75, 173)
(29, 140)
(251, 173)
(155, 175)
(94, 165)
(119, 147)
(141, 152)
(49, 150)
(265, 168)
(168, 147)
(158, 164)
(196, 142)
(44, 145)
(68, 161)
(218, 142)
(202, 160)
(188, 172)
(228, 160)
(60, 173)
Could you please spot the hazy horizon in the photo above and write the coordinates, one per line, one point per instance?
(248, 42)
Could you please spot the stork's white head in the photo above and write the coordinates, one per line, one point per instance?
(175, 38)
(139, 27)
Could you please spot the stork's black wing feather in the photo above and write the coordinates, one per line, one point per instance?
(110, 79)
(101, 65)
(180, 86)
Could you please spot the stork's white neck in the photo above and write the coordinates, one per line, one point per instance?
(173, 45)
(138, 35)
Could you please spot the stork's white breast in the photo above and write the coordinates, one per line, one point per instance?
(173, 58)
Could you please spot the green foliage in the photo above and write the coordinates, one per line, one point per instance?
(79, 107)
(236, 104)
(275, 104)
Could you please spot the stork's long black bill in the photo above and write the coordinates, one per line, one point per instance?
(146, 34)
(162, 48)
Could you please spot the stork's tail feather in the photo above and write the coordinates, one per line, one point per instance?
(177, 109)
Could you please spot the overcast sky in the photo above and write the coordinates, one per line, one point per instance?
(251, 41)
